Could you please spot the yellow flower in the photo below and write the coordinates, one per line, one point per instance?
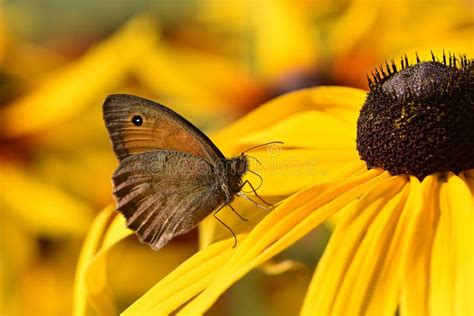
(290, 45)
(402, 239)
(54, 153)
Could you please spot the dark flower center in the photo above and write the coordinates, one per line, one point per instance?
(419, 120)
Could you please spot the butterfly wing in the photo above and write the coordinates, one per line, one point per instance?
(156, 127)
(163, 194)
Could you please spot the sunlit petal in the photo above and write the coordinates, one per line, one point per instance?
(89, 249)
(452, 276)
(367, 261)
(286, 224)
(322, 98)
(184, 282)
(384, 296)
(313, 125)
(302, 170)
(416, 266)
(91, 276)
(355, 221)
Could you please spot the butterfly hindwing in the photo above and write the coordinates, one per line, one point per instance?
(165, 193)
(139, 125)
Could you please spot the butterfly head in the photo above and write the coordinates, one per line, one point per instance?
(235, 168)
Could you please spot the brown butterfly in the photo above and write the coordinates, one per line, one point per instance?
(171, 176)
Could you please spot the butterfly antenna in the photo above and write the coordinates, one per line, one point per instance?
(261, 180)
(255, 159)
(261, 145)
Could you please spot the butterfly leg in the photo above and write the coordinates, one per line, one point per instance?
(255, 192)
(225, 225)
(254, 202)
(240, 216)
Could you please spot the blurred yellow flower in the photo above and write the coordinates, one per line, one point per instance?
(211, 61)
(292, 45)
(46, 163)
(399, 243)
(54, 153)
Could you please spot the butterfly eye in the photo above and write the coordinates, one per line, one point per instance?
(137, 120)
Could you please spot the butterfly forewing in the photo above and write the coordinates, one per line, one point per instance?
(163, 194)
(137, 125)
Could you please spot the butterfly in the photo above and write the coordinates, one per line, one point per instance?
(170, 174)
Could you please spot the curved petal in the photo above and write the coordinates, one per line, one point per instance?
(452, 275)
(313, 125)
(89, 249)
(416, 266)
(297, 169)
(184, 282)
(272, 112)
(91, 277)
(384, 296)
(282, 227)
(349, 233)
(368, 259)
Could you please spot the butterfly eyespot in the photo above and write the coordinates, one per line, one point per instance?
(137, 120)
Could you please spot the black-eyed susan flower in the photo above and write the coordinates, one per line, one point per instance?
(393, 170)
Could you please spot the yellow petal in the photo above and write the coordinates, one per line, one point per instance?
(184, 282)
(348, 116)
(91, 275)
(274, 268)
(452, 275)
(276, 110)
(367, 261)
(277, 24)
(315, 127)
(383, 298)
(297, 169)
(89, 249)
(346, 238)
(98, 288)
(175, 86)
(360, 16)
(416, 276)
(328, 98)
(282, 227)
(41, 207)
(86, 81)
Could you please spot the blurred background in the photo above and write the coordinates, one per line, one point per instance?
(211, 61)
